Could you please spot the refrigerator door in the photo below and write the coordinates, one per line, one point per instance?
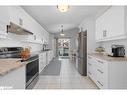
(82, 66)
(82, 53)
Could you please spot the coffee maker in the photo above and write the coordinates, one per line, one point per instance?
(118, 51)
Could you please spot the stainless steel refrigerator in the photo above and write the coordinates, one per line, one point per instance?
(82, 53)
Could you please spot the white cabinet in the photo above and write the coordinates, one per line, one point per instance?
(4, 21)
(111, 24)
(99, 28)
(107, 74)
(14, 79)
(114, 21)
(90, 68)
(101, 71)
(16, 15)
(42, 61)
(5, 16)
(21, 18)
(49, 56)
(97, 71)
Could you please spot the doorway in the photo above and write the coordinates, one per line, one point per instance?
(63, 47)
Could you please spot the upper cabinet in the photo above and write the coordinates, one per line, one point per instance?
(4, 16)
(4, 20)
(111, 24)
(20, 17)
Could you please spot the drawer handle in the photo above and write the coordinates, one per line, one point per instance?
(89, 64)
(100, 83)
(100, 71)
(100, 61)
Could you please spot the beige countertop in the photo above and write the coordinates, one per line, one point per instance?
(108, 58)
(8, 65)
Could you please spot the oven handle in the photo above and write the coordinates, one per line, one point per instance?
(30, 60)
(33, 60)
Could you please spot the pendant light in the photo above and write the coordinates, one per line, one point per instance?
(63, 8)
(62, 33)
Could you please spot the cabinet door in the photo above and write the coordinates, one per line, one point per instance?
(99, 28)
(40, 62)
(44, 59)
(15, 14)
(4, 20)
(4, 16)
(14, 79)
(114, 21)
(20, 17)
(91, 68)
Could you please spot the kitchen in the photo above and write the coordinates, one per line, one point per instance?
(27, 47)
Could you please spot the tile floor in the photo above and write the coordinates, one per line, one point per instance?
(69, 79)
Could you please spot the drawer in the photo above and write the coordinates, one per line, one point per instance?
(99, 84)
(101, 64)
(102, 78)
(102, 83)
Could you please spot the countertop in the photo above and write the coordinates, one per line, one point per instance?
(9, 64)
(108, 58)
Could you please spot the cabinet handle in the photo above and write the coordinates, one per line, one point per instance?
(100, 83)
(100, 71)
(89, 64)
(100, 61)
(104, 33)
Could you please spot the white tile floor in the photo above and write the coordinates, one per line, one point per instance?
(69, 79)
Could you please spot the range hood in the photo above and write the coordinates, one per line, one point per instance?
(16, 29)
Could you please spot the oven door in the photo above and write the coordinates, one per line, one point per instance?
(32, 70)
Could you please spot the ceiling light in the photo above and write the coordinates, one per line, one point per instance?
(62, 33)
(63, 8)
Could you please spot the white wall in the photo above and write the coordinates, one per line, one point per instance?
(32, 25)
(89, 25)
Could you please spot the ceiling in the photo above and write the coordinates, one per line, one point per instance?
(51, 19)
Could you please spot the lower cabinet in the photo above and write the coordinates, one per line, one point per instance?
(49, 56)
(107, 75)
(14, 80)
(97, 71)
(42, 61)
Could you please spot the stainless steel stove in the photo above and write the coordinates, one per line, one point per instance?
(10, 52)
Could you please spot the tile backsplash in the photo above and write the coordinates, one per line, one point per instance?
(107, 45)
(17, 41)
